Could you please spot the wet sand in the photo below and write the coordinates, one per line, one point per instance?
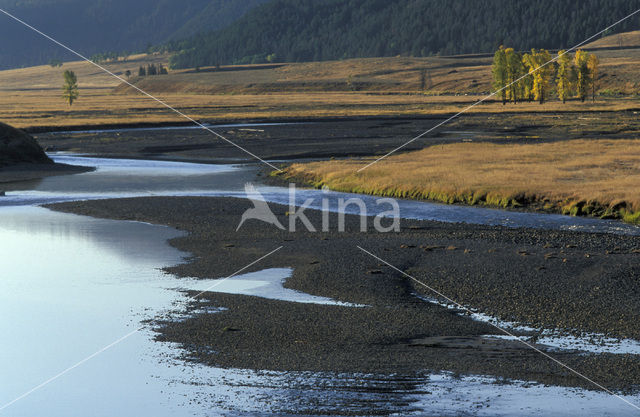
(296, 139)
(589, 283)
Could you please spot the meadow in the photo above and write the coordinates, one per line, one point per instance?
(577, 177)
(367, 87)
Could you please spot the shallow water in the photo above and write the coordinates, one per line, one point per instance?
(553, 340)
(71, 285)
(166, 128)
(486, 396)
(267, 283)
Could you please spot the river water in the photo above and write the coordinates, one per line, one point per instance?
(72, 285)
(139, 178)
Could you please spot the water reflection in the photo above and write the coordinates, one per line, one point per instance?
(71, 285)
(267, 283)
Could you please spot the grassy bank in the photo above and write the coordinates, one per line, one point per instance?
(580, 177)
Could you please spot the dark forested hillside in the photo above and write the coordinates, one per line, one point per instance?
(98, 26)
(305, 30)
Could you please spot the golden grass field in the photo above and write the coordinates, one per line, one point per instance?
(621, 40)
(578, 177)
(30, 97)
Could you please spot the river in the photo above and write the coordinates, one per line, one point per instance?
(56, 311)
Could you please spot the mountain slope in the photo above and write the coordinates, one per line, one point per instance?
(306, 30)
(98, 26)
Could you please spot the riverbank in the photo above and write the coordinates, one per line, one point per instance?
(551, 279)
(579, 177)
(23, 159)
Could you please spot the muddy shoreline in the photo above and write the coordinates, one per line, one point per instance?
(504, 272)
(152, 125)
(310, 139)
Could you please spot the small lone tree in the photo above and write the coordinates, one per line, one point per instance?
(351, 84)
(70, 87)
(127, 73)
(425, 80)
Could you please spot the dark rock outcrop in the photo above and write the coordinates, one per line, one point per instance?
(18, 147)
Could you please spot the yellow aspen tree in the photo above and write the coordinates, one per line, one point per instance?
(527, 82)
(564, 80)
(592, 66)
(542, 72)
(527, 87)
(515, 70)
(582, 74)
(499, 70)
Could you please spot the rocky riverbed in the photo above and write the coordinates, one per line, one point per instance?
(575, 282)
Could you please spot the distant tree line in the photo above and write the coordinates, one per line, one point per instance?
(95, 26)
(151, 69)
(112, 56)
(317, 30)
(55, 63)
(531, 76)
